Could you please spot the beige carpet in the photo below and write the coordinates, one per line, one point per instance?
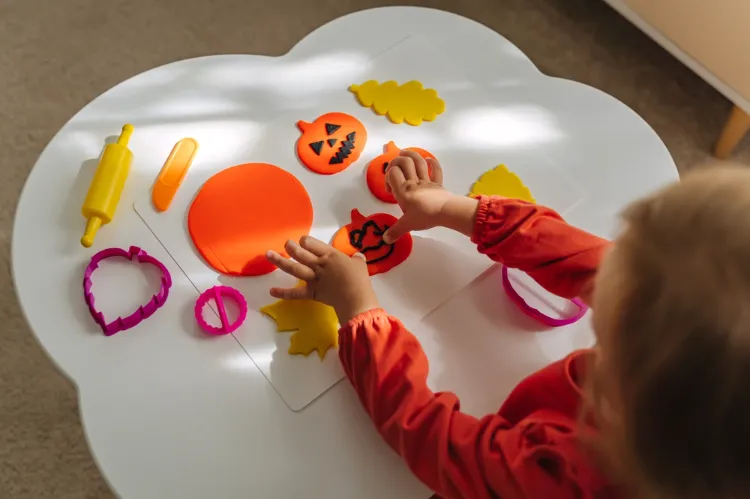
(55, 56)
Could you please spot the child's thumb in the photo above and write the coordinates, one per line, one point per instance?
(360, 256)
(401, 227)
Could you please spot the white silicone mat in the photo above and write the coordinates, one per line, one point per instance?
(469, 139)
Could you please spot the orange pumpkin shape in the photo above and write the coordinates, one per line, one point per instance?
(331, 143)
(242, 212)
(365, 235)
(377, 167)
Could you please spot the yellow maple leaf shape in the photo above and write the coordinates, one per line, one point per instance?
(316, 324)
(409, 102)
(501, 182)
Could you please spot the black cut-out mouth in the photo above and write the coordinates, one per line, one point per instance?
(345, 150)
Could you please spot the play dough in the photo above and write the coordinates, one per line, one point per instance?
(377, 167)
(316, 324)
(331, 143)
(365, 235)
(501, 182)
(410, 102)
(242, 212)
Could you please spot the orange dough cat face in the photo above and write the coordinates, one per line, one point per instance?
(365, 235)
(331, 143)
(377, 167)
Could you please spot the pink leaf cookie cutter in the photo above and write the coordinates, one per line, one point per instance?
(536, 314)
(219, 293)
(144, 311)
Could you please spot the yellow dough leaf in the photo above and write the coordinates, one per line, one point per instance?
(501, 182)
(409, 102)
(316, 324)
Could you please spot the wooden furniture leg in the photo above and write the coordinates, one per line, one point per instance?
(735, 129)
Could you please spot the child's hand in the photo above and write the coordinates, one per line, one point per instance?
(331, 277)
(418, 189)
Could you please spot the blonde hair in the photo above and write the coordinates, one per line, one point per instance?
(672, 316)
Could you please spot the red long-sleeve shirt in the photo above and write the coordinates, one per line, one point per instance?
(531, 447)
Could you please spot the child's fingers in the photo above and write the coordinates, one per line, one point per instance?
(291, 267)
(315, 246)
(406, 165)
(361, 260)
(300, 254)
(420, 165)
(437, 171)
(360, 256)
(298, 293)
(394, 178)
(402, 226)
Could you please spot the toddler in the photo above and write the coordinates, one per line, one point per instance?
(659, 408)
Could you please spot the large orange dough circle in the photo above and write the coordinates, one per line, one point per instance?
(377, 167)
(331, 143)
(365, 235)
(242, 212)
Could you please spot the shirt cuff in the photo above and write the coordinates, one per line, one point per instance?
(364, 318)
(481, 217)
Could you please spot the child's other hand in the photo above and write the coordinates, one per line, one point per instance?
(331, 277)
(417, 185)
(418, 191)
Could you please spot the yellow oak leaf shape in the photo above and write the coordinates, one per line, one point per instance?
(316, 324)
(501, 182)
(409, 102)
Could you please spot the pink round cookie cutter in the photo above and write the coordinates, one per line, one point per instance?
(144, 311)
(536, 314)
(219, 293)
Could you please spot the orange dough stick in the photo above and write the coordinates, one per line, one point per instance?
(173, 172)
(331, 143)
(377, 167)
(242, 212)
(365, 235)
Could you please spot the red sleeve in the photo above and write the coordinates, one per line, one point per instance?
(455, 454)
(561, 258)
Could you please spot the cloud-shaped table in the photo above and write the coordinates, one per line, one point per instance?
(168, 413)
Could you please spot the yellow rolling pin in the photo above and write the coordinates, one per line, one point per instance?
(106, 187)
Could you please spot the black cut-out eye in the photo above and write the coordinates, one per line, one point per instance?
(385, 166)
(317, 147)
(330, 128)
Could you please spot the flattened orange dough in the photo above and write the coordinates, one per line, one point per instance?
(242, 212)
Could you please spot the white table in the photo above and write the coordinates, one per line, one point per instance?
(168, 413)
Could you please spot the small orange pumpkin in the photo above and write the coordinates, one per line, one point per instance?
(331, 143)
(377, 167)
(365, 235)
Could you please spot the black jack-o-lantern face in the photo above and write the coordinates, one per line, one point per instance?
(368, 239)
(365, 235)
(331, 143)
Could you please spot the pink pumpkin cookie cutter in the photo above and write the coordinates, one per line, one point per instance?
(144, 311)
(536, 314)
(218, 294)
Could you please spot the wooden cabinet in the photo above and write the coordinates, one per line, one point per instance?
(711, 37)
(716, 33)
